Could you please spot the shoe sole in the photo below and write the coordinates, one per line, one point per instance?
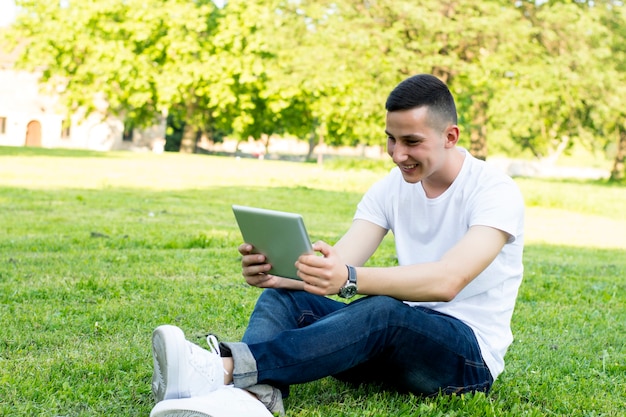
(168, 352)
(224, 402)
(180, 413)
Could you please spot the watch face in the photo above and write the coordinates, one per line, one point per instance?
(348, 291)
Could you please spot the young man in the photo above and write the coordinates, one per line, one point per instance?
(437, 323)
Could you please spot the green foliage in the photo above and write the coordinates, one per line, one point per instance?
(91, 263)
(141, 57)
(555, 91)
(540, 75)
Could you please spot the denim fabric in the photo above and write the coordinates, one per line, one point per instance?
(245, 376)
(295, 337)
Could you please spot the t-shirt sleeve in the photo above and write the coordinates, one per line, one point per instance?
(376, 204)
(500, 206)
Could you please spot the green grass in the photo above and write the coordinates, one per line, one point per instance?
(98, 249)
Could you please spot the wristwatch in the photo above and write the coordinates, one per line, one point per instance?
(349, 288)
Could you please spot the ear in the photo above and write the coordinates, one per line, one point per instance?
(452, 136)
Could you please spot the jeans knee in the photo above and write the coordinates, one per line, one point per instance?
(271, 294)
(381, 304)
(282, 296)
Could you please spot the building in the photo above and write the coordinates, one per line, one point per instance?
(29, 117)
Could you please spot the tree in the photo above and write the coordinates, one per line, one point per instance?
(143, 57)
(461, 42)
(321, 69)
(553, 96)
(320, 83)
(611, 116)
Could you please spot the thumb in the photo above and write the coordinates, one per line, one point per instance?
(322, 247)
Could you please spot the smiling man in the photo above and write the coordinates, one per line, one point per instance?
(438, 322)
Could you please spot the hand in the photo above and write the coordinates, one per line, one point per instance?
(322, 275)
(254, 269)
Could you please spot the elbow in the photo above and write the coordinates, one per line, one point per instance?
(447, 295)
(452, 288)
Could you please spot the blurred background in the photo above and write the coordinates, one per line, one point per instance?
(540, 85)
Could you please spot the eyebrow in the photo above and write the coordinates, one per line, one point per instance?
(409, 136)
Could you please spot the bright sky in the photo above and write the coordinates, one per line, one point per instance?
(7, 12)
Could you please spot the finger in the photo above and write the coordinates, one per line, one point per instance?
(312, 261)
(317, 273)
(245, 248)
(255, 269)
(318, 281)
(265, 281)
(314, 288)
(322, 247)
(253, 259)
(257, 280)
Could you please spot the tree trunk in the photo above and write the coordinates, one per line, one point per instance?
(312, 144)
(265, 139)
(188, 141)
(320, 155)
(478, 132)
(618, 171)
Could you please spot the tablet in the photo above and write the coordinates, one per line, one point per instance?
(278, 235)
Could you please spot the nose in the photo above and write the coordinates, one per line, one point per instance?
(396, 151)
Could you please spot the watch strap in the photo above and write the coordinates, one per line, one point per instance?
(351, 274)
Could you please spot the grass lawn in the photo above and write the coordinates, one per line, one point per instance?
(97, 249)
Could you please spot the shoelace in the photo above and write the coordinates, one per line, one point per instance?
(214, 346)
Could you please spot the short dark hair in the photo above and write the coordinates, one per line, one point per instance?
(423, 90)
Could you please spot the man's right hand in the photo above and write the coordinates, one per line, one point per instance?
(254, 269)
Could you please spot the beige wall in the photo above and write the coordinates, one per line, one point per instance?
(22, 103)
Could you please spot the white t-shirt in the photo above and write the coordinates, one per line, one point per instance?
(425, 228)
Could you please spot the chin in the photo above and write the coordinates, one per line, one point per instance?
(411, 179)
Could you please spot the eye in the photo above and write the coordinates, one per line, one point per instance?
(413, 142)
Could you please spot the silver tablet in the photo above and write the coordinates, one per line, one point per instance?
(278, 235)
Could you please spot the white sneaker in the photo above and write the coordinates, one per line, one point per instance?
(183, 369)
(227, 401)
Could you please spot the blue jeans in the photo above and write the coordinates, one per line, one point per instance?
(295, 337)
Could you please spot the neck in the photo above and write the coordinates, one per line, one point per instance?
(438, 183)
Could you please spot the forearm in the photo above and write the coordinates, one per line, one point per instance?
(436, 281)
(423, 282)
(291, 284)
(360, 242)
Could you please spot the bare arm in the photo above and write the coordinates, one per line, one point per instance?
(360, 242)
(441, 280)
(434, 281)
(354, 248)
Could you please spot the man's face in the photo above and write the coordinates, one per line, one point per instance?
(414, 144)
